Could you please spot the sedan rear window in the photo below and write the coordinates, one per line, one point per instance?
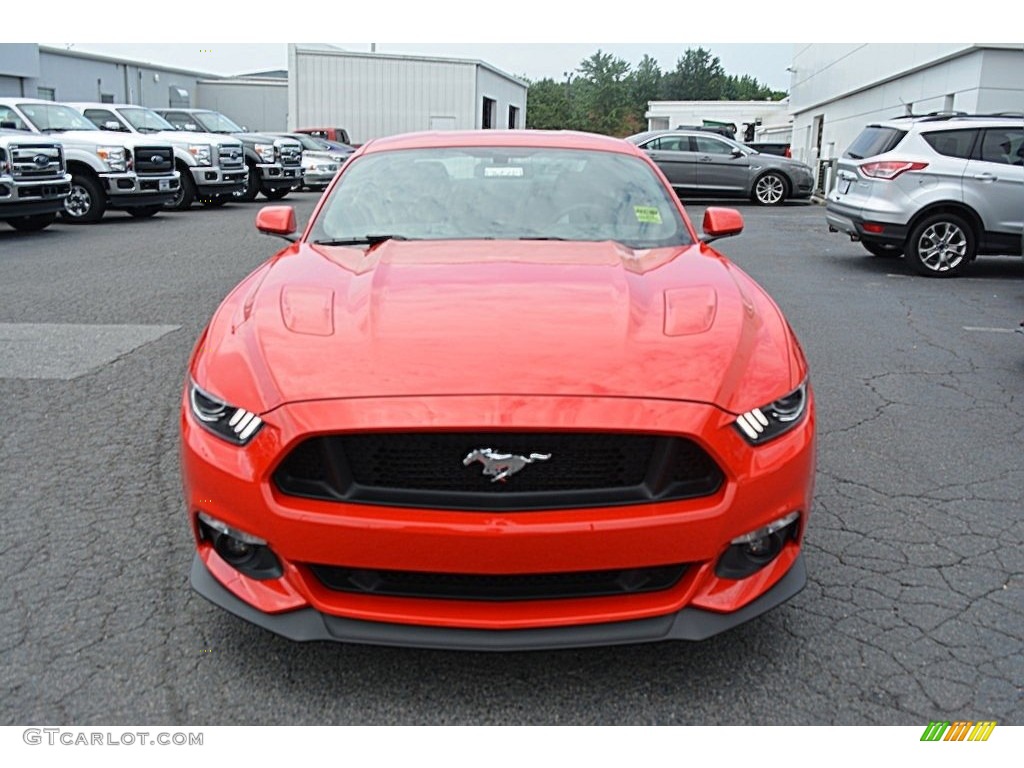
(874, 140)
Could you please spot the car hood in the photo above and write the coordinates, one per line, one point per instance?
(198, 137)
(513, 318)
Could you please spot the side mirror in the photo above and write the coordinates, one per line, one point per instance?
(721, 222)
(737, 152)
(113, 125)
(244, 128)
(191, 127)
(277, 220)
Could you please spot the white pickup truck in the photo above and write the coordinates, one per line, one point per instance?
(33, 180)
(108, 170)
(212, 166)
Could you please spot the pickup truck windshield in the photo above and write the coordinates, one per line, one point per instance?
(501, 193)
(55, 117)
(215, 122)
(145, 120)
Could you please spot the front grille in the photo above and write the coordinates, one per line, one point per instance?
(36, 161)
(471, 586)
(290, 154)
(427, 470)
(230, 156)
(154, 161)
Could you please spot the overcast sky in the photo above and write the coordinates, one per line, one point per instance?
(766, 62)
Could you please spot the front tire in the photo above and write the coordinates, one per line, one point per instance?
(770, 189)
(941, 245)
(186, 192)
(86, 203)
(276, 194)
(252, 186)
(33, 223)
(145, 211)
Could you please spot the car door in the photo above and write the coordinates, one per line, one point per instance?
(994, 182)
(674, 156)
(105, 119)
(719, 169)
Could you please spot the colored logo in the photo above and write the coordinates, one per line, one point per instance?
(961, 730)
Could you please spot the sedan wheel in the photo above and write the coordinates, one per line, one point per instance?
(770, 189)
(941, 246)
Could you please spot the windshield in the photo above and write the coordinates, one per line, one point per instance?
(215, 122)
(307, 142)
(145, 120)
(55, 117)
(501, 193)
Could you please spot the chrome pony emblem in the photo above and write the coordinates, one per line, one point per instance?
(501, 466)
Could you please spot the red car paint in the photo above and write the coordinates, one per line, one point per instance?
(480, 335)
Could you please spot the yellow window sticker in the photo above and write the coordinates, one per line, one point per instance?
(646, 214)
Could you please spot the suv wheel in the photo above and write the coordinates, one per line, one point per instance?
(883, 250)
(941, 245)
(770, 189)
(86, 203)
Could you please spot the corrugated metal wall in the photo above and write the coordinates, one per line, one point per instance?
(507, 94)
(378, 95)
(259, 106)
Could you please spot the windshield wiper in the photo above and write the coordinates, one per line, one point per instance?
(364, 240)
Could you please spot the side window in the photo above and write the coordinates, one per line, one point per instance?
(1003, 145)
(712, 146)
(9, 119)
(952, 143)
(100, 117)
(177, 119)
(669, 144)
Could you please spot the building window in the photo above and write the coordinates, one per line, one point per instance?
(49, 94)
(513, 117)
(106, 98)
(490, 107)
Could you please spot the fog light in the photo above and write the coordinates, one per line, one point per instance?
(749, 553)
(244, 552)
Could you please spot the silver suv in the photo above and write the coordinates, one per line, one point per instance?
(940, 189)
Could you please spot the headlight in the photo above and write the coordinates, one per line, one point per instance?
(117, 158)
(236, 425)
(266, 152)
(202, 153)
(768, 422)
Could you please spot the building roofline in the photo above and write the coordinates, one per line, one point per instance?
(410, 57)
(77, 54)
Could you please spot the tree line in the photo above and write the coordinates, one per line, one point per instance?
(605, 94)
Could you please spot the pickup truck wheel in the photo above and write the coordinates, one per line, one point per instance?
(941, 245)
(276, 194)
(32, 223)
(145, 211)
(86, 203)
(186, 193)
(252, 186)
(769, 189)
(883, 250)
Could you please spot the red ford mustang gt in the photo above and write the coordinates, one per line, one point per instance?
(498, 395)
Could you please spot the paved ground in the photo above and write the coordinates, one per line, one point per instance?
(914, 609)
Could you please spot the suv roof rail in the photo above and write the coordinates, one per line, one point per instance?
(940, 116)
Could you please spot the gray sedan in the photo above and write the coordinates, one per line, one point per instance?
(705, 164)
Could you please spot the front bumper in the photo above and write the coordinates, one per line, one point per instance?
(213, 182)
(128, 190)
(235, 486)
(274, 176)
(29, 198)
(308, 624)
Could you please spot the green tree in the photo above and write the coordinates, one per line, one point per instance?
(547, 105)
(600, 95)
(698, 76)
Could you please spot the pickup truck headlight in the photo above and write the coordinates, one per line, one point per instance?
(202, 153)
(236, 425)
(116, 158)
(266, 152)
(769, 421)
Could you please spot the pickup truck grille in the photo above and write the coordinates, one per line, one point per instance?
(291, 154)
(154, 161)
(36, 161)
(230, 156)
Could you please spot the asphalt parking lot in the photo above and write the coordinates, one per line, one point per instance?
(915, 550)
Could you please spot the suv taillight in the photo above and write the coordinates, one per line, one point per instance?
(888, 170)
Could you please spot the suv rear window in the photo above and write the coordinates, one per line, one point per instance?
(952, 143)
(874, 140)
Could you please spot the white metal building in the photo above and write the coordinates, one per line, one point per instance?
(662, 115)
(837, 89)
(256, 103)
(375, 94)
